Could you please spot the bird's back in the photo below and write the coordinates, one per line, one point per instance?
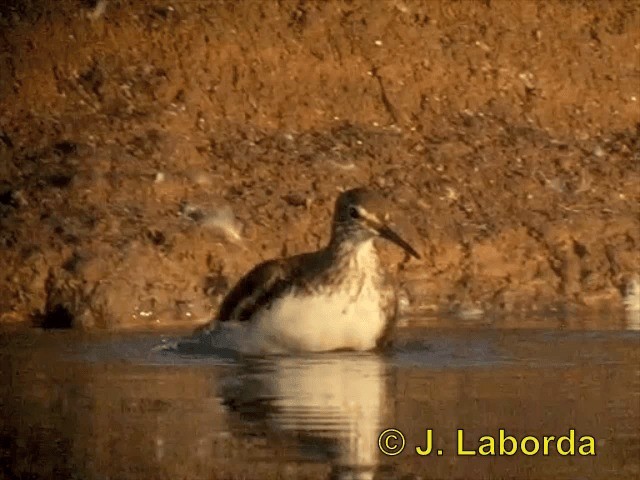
(266, 282)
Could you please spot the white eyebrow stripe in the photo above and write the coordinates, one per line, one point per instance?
(368, 216)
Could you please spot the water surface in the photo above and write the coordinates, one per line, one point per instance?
(107, 406)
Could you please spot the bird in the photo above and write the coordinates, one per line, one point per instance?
(338, 298)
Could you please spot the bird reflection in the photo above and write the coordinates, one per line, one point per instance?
(332, 407)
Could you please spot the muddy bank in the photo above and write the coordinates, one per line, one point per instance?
(151, 152)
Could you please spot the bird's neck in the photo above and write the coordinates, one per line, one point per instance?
(356, 256)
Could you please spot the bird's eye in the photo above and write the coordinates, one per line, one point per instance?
(353, 212)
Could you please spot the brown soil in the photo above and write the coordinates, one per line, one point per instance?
(507, 132)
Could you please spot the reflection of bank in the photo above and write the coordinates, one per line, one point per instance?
(92, 420)
(333, 406)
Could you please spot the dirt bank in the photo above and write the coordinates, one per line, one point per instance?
(150, 152)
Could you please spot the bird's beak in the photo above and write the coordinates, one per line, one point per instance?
(385, 232)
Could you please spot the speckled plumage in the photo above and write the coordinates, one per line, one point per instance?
(281, 303)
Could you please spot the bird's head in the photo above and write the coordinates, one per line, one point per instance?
(361, 214)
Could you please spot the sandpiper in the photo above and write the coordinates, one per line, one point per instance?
(336, 298)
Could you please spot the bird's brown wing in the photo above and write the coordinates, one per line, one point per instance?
(260, 285)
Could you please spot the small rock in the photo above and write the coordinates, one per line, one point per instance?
(483, 46)
(527, 79)
(599, 152)
(295, 200)
(451, 194)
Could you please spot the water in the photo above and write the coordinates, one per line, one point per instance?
(98, 406)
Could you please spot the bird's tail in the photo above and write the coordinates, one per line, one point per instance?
(191, 344)
(205, 339)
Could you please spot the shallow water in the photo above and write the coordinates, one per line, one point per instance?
(98, 406)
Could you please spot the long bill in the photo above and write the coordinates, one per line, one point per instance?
(386, 232)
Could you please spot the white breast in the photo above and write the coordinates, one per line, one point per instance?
(344, 318)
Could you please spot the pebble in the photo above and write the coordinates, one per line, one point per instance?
(599, 152)
(296, 200)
